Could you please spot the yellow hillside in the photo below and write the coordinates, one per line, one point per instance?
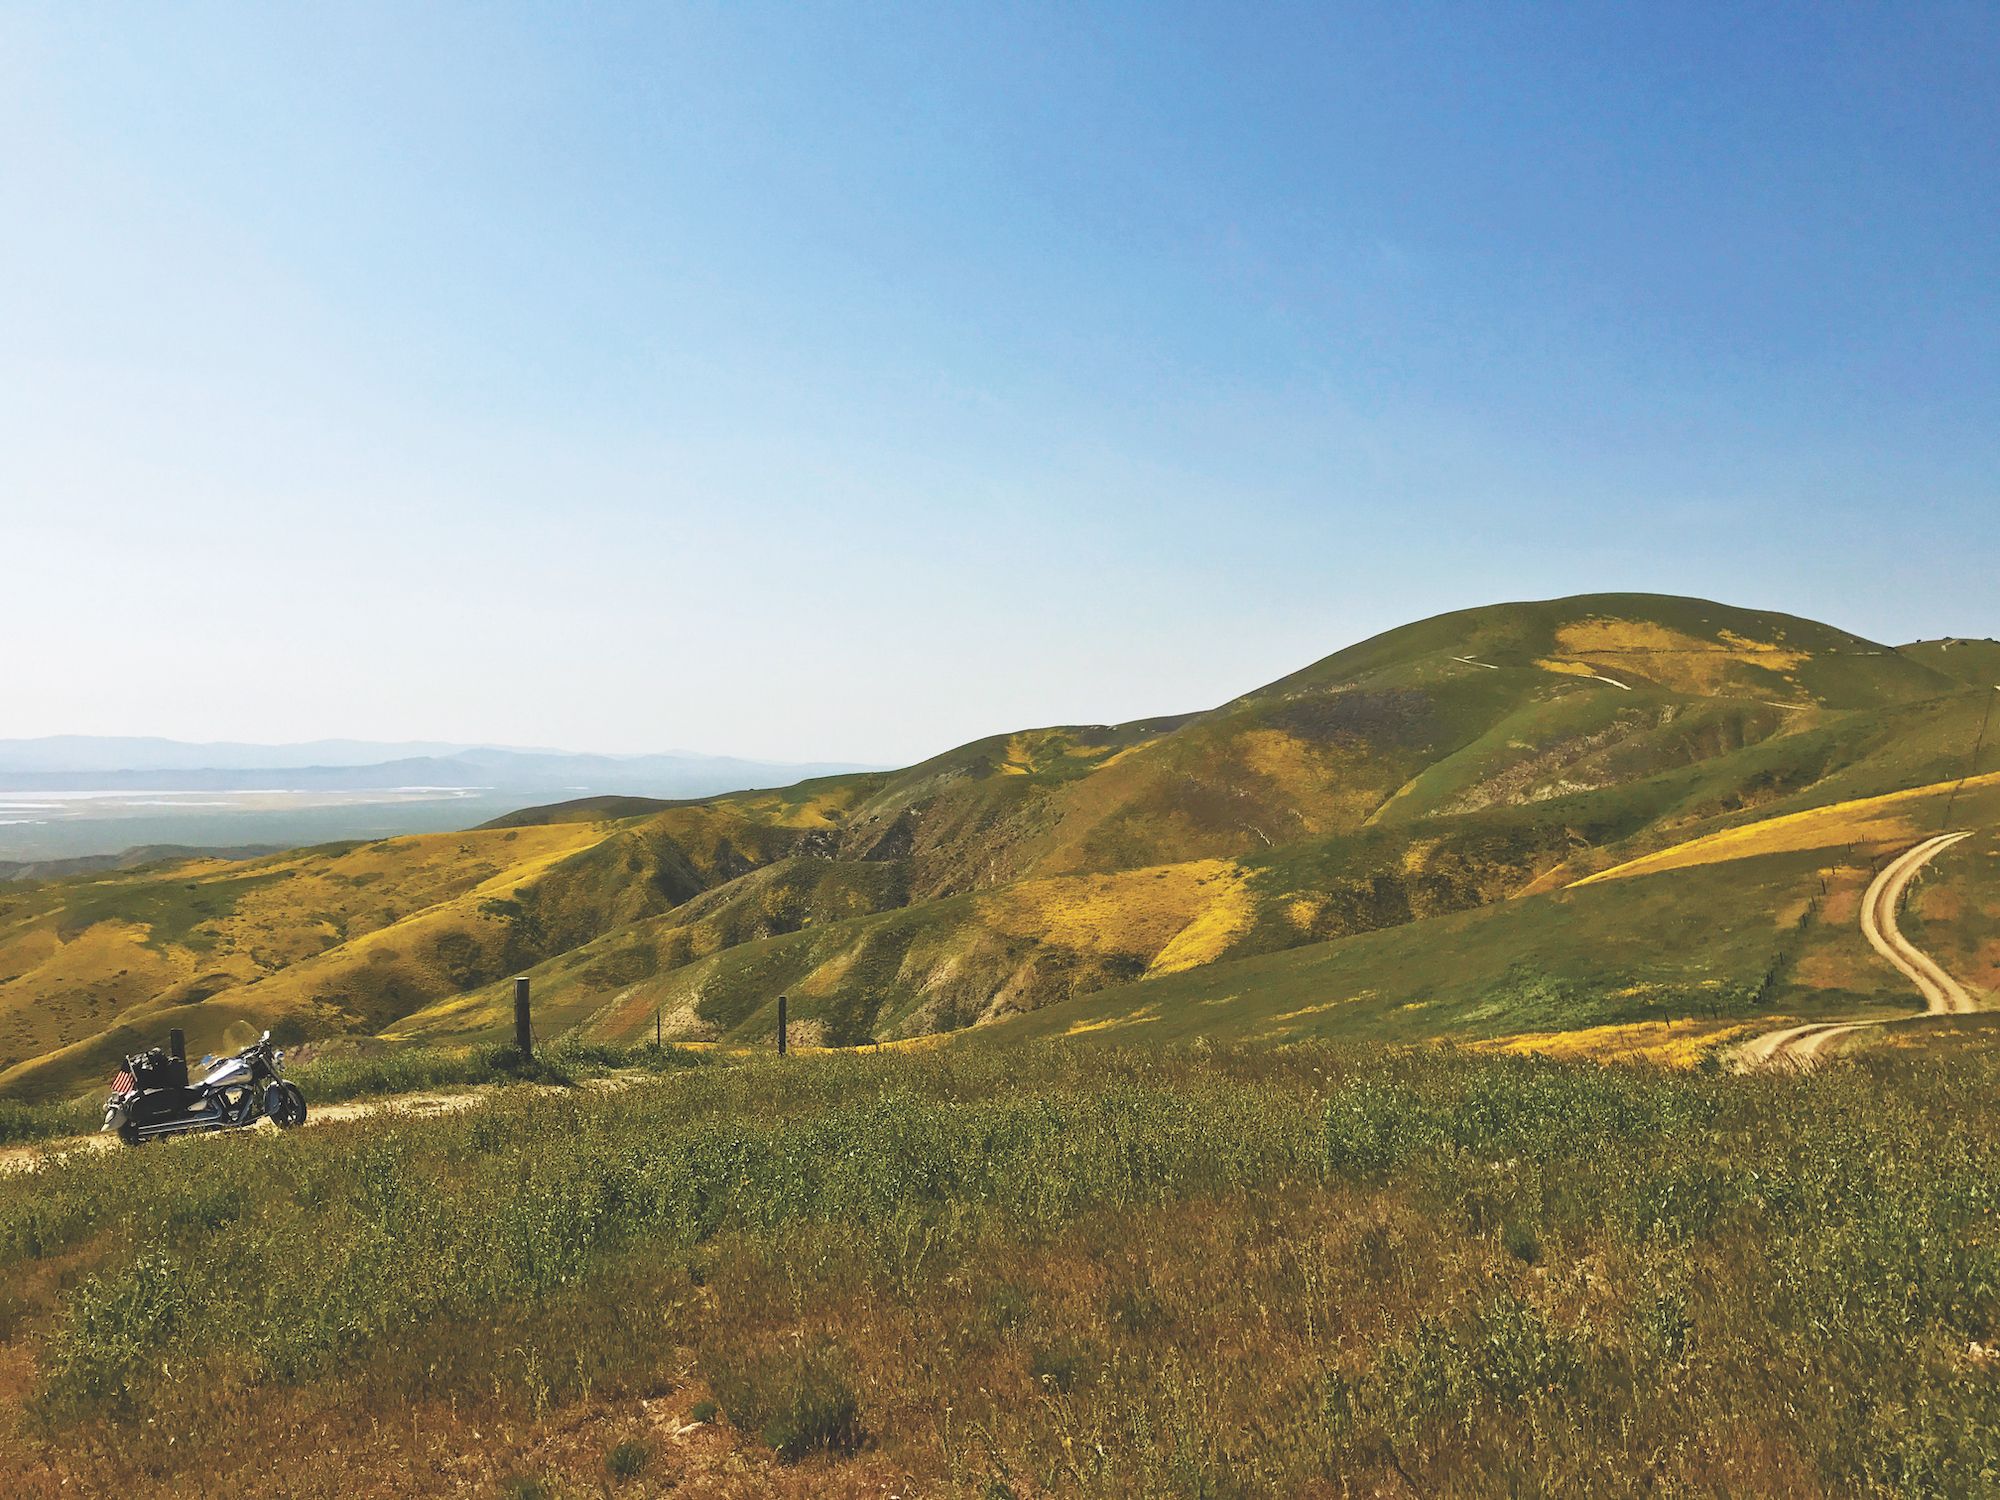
(1864, 820)
(1171, 916)
(79, 957)
(1670, 658)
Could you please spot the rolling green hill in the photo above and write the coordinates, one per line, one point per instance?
(1664, 956)
(1386, 840)
(1972, 661)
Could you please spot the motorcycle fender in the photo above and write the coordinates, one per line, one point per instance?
(114, 1117)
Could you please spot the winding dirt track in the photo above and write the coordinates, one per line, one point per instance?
(1802, 1046)
(1942, 994)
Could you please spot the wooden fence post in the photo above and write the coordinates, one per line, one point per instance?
(524, 1036)
(781, 1025)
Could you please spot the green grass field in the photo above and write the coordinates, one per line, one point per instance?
(1718, 946)
(1059, 1270)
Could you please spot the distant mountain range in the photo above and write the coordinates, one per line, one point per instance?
(89, 763)
(85, 752)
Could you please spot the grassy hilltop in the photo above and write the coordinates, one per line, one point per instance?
(1388, 839)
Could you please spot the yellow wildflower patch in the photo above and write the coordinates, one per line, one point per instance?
(1138, 1017)
(1567, 668)
(1766, 653)
(1285, 758)
(1323, 787)
(827, 809)
(1321, 1008)
(1666, 1044)
(1672, 658)
(108, 960)
(826, 979)
(1091, 913)
(1185, 914)
(1289, 1024)
(1046, 749)
(1863, 820)
(1211, 934)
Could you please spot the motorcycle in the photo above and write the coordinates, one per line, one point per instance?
(151, 1096)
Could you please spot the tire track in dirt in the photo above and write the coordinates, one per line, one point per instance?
(1942, 994)
(1801, 1047)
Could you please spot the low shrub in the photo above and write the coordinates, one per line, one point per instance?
(799, 1400)
(1522, 1242)
(25, 1124)
(627, 1459)
(1060, 1364)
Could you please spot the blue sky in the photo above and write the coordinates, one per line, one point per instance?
(852, 382)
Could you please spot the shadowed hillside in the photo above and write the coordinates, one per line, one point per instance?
(1424, 793)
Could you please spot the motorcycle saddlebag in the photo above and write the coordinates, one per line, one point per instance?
(156, 1105)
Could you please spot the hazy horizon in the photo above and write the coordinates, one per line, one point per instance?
(96, 797)
(340, 750)
(804, 386)
(414, 748)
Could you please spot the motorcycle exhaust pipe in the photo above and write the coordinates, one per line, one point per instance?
(182, 1125)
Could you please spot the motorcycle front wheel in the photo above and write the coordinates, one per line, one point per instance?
(295, 1107)
(120, 1124)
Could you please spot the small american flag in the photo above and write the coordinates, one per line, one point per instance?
(124, 1083)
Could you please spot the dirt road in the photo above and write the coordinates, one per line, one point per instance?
(1942, 994)
(27, 1158)
(1803, 1046)
(1795, 1046)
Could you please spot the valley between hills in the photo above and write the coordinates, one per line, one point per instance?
(1616, 826)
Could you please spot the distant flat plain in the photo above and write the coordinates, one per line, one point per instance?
(42, 825)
